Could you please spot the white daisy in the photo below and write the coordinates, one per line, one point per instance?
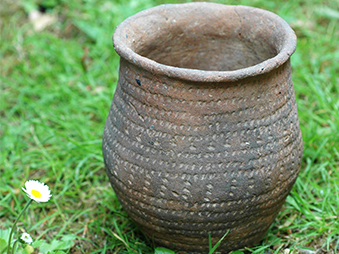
(26, 238)
(37, 191)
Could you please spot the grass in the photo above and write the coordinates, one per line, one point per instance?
(56, 88)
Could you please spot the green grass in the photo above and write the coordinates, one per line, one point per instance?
(56, 88)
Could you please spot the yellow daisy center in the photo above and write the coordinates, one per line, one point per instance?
(36, 193)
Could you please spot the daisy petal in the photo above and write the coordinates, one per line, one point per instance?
(37, 191)
(26, 238)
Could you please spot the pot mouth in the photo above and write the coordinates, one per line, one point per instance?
(205, 42)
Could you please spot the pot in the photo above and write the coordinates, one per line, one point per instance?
(202, 137)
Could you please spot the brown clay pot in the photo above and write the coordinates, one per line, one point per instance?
(203, 133)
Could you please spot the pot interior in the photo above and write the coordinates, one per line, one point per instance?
(210, 37)
(206, 52)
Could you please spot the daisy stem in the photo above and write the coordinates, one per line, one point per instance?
(16, 221)
(14, 245)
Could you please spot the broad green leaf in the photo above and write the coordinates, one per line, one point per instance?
(55, 245)
(161, 250)
(3, 245)
(38, 243)
(27, 250)
(4, 234)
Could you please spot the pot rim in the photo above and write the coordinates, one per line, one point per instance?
(125, 52)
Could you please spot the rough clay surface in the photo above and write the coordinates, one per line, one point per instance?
(191, 158)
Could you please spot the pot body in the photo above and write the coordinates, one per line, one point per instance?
(188, 157)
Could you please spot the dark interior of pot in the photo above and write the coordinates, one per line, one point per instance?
(206, 36)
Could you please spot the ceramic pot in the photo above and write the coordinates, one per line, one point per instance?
(203, 135)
